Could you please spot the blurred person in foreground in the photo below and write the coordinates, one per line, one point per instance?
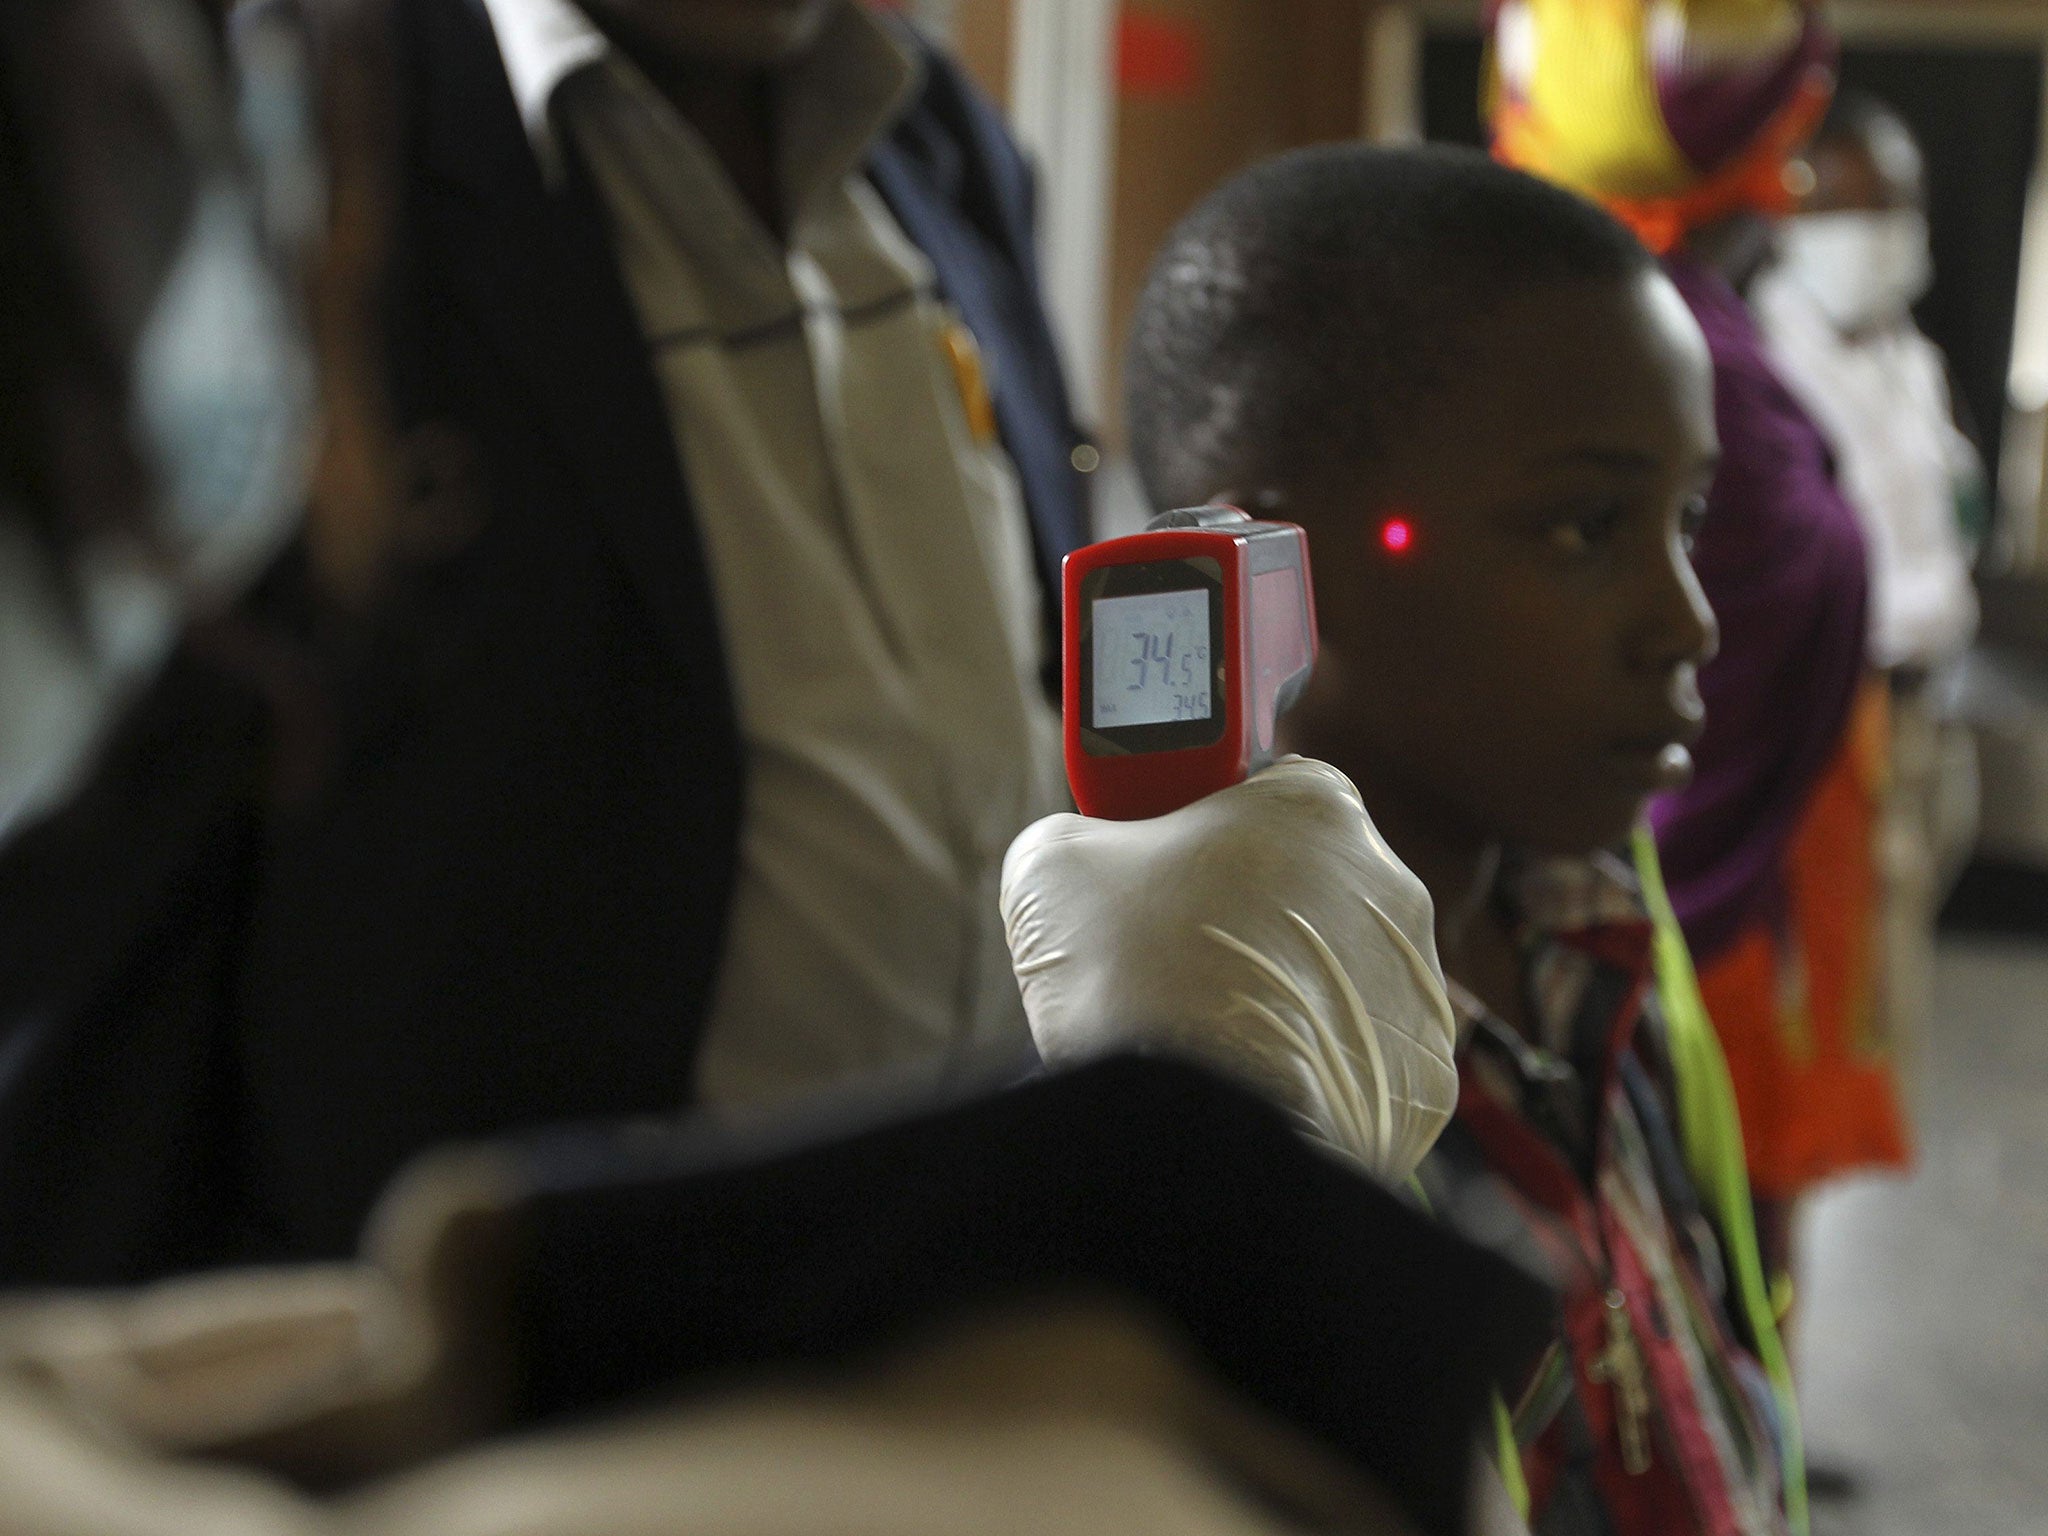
(1124, 1299)
(673, 754)
(1681, 120)
(1836, 305)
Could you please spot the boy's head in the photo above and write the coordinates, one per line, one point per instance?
(1494, 415)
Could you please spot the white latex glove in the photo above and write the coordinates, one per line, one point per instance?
(1267, 931)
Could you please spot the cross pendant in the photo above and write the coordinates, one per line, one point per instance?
(1620, 1365)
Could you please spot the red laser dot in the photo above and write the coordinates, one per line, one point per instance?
(1396, 535)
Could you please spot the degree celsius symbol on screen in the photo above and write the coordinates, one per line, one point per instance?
(1151, 658)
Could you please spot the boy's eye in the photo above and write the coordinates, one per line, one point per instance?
(1580, 532)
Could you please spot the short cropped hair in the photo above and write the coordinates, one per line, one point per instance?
(1294, 320)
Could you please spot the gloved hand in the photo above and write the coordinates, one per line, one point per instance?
(1267, 931)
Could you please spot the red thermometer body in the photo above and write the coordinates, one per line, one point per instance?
(1183, 646)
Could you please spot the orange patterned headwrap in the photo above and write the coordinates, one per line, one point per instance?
(1671, 113)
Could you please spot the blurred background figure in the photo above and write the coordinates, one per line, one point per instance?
(198, 480)
(160, 380)
(1837, 307)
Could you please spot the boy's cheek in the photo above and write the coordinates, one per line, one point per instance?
(1360, 713)
(1363, 711)
(1399, 612)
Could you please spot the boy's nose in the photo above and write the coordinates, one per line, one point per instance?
(1680, 627)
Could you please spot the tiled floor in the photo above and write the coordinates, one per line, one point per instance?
(1924, 1342)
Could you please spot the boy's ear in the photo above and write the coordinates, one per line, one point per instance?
(1269, 501)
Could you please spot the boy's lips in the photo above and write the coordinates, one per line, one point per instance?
(1661, 758)
(1654, 771)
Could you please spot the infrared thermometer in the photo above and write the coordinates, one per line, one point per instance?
(1183, 646)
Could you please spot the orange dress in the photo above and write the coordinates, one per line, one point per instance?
(1797, 1004)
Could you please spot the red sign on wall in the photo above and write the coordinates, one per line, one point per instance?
(1158, 56)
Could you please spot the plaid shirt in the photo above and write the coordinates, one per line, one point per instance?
(1648, 1416)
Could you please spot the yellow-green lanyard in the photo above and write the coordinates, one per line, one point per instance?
(1711, 1131)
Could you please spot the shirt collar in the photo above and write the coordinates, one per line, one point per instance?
(1572, 916)
(842, 94)
(1556, 897)
(543, 43)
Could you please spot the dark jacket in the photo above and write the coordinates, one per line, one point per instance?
(503, 903)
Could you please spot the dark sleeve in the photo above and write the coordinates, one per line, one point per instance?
(122, 913)
(1303, 1285)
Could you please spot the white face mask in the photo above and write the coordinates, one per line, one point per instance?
(1863, 269)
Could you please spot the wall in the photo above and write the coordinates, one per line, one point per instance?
(980, 35)
(1208, 87)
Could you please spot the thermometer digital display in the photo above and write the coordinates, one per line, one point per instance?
(1183, 645)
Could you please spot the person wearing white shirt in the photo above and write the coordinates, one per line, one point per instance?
(1836, 308)
(868, 548)
(673, 761)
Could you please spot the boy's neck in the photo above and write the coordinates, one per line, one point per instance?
(1459, 866)
(1456, 863)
